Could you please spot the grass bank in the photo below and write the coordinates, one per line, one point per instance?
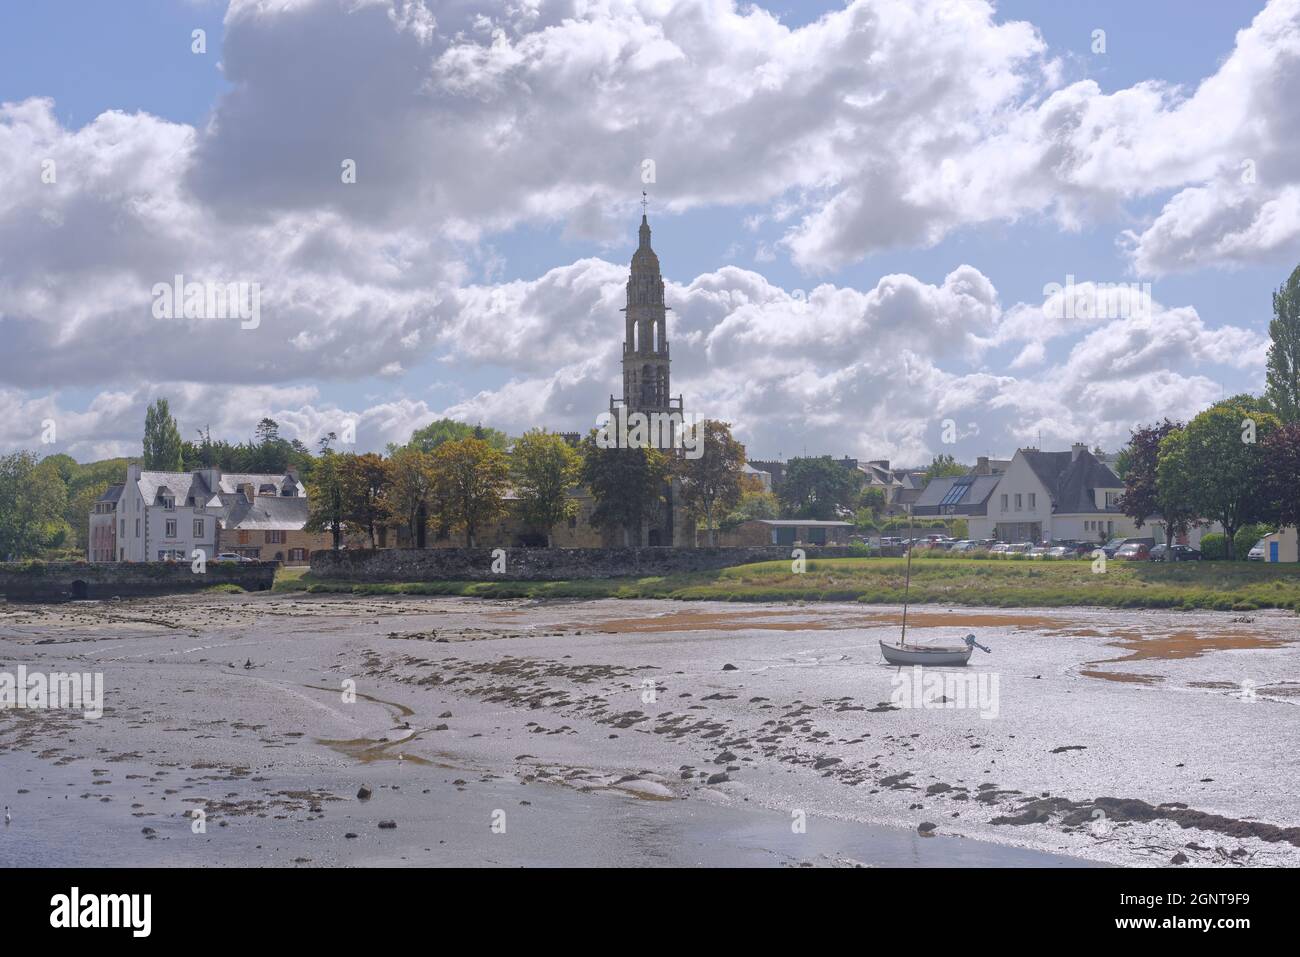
(1228, 586)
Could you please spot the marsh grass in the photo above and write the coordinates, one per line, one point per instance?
(1228, 586)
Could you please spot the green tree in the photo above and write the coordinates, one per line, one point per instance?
(1283, 365)
(818, 488)
(162, 440)
(363, 481)
(711, 482)
(753, 504)
(325, 497)
(544, 467)
(470, 481)
(1218, 465)
(437, 432)
(32, 502)
(944, 466)
(410, 487)
(1144, 496)
(627, 485)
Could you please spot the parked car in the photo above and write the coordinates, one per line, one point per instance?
(966, 545)
(1133, 552)
(998, 548)
(1256, 553)
(1175, 553)
(1018, 548)
(1061, 551)
(1038, 551)
(1115, 544)
(232, 557)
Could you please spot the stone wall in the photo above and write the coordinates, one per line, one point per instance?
(541, 564)
(62, 581)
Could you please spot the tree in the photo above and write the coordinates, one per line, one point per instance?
(325, 497)
(544, 467)
(1144, 496)
(1282, 474)
(753, 504)
(162, 439)
(1283, 365)
(411, 478)
(363, 480)
(943, 466)
(818, 488)
(1216, 465)
(32, 500)
(711, 482)
(437, 432)
(470, 481)
(627, 485)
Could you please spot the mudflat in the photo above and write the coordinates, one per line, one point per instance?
(318, 730)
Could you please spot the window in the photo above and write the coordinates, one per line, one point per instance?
(243, 538)
(1033, 501)
(171, 528)
(169, 504)
(1019, 501)
(198, 528)
(1111, 499)
(124, 528)
(275, 537)
(297, 554)
(1004, 503)
(137, 528)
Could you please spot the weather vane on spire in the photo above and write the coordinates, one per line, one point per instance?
(644, 202)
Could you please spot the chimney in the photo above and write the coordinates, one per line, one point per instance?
(982, 465)
(1076, 448)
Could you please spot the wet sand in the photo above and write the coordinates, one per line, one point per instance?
(644, 733)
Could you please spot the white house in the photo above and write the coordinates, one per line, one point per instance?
(1047, 496)
(166, 515)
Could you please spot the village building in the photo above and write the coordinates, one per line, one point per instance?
(168, 516)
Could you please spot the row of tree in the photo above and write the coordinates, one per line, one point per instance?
(1236, 463)
(454, 479)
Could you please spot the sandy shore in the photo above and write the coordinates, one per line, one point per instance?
(645, 733)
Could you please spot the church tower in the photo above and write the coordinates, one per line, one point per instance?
(645, 339)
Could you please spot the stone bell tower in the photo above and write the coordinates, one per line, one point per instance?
(645, 339)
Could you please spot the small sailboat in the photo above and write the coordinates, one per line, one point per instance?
(901, 653)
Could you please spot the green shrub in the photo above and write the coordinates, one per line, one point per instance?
(1214, 547)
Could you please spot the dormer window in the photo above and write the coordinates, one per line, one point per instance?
(169, 503)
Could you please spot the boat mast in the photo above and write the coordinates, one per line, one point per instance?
(907, 582)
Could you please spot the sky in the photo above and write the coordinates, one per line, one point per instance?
(863, 212)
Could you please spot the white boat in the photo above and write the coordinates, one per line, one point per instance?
(901, 653)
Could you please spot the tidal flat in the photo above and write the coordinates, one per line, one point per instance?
(338, 730)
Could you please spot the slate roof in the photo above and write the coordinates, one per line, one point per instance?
(231, 481)
(266, 512)
(181, 485)
(967, 494)
(1071, 481)
(111, 494)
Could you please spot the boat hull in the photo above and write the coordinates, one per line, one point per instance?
(920, 655)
